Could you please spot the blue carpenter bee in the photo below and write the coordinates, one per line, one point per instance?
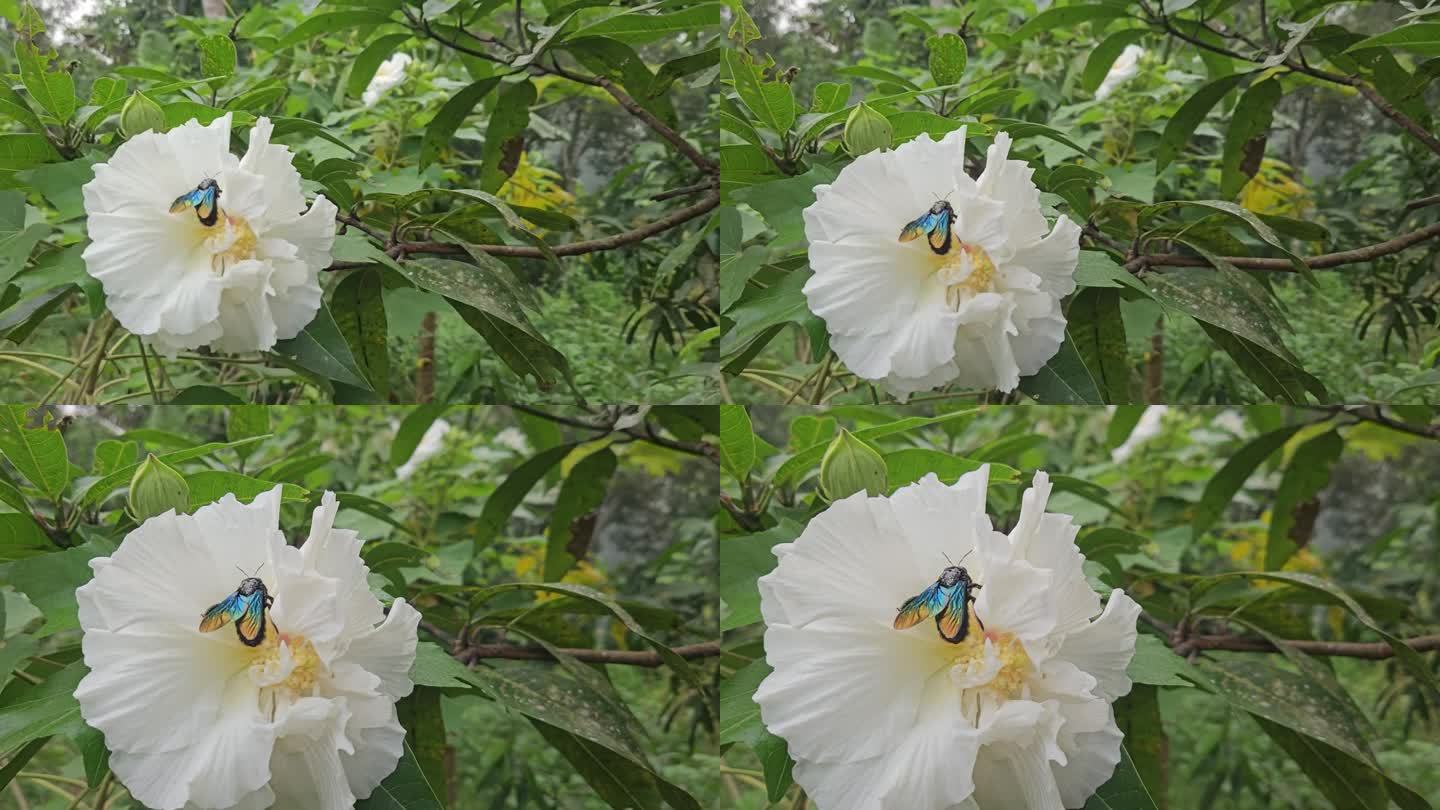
(246, 607)
(935, 224)
(948, 600)
(204, 198)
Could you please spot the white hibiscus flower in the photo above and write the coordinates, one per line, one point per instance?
(1124, 69)
(983, 313)
(305, 719)
(390, 73)
(1016, 716)
(238, 285)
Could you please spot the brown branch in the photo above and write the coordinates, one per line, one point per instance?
(1363, 87)
(400, 249)
(685, 191)
(1377, 650)
(1321, 262)
(649, 229)
(1374, 415)
(645, 434)
(629, 104)
(634, 658)
(1184, 644)
(1423, 202)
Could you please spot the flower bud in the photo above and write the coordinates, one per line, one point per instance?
(139, 114)
(157, 488)
(850, 465)
(867, 130)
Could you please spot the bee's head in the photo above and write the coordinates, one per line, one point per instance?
(952, 575)
(250, 585)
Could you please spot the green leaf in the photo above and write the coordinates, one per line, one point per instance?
(761, 308)
(830, 97)
(1103, 56)
(1067, 17)
(737, 441)
(504, 134)
(1404, 654)
(782, 202)
(1065, 379)
(947, 58)
(1278, 378)
(14, 107)
(208, 486)
(769, 101)
(50, 580)
(424, 723)
(217, 59)
(53, 90)
(1186, 119)
(100, 489)
(1209, 297)
(502, 502)
(1346, 782)
(107, 90)
(20, 537)
(740, 722)
(1421, 37)
(94, 754)
(800, 463)
(636, 26)
(1096, 328)
(244, 422)
(913, 463)
(1245, 139)
(1244, 215)
(1156, 664)
(19, 760)
(742, 561)
(318, 25)
(39, 455)
(441, 130)
(411, 431)
(522, 349)
(32, 711)
(322, 349)
(363, 68)
(204, 395)
(437, 668)
(406, 788)
(358, 306)
(572, 521)
(1125, 790)
(1221, 488)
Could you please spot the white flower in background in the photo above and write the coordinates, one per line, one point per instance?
(306, 719)
(1124, 69)
(390, 73)
(429, 446)
(1146, 428)
(1017, 716)
(514, 440)
(239, 285)
(983, 313)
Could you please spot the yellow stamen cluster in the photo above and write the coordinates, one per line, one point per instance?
(967, 271)
(1015, 666)
(308, 667)
(233, 241)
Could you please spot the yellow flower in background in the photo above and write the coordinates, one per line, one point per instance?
(1273, 191)
(537, 187)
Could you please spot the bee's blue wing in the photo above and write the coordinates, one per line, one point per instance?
(222, 613)
(939, 230)
(917, 226)
(251, 623)
(190, 199)
(919, 608)
(953, 620)
(205, 203)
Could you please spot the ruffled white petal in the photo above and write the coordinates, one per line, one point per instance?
(239, 285)
(900, 315)
(289, 723)
(1104, 647)
(1016, 715)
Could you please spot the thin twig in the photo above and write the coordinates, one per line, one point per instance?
(1323, 261)
(1184, 643)
(637, 658)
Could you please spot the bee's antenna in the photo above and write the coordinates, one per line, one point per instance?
(967, 554)
(241, 570)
